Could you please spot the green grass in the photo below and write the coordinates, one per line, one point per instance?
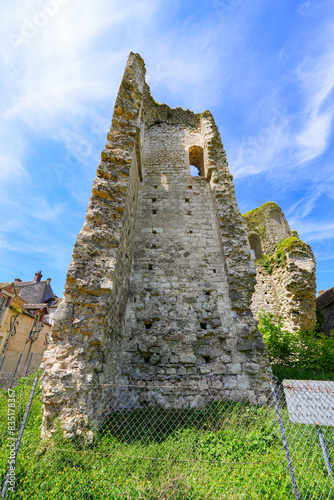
(224, 450)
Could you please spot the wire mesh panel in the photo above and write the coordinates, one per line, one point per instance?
(309, 419)
(223, 449)
(17, 365)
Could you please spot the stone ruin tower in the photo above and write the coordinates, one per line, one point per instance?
(159, 288)
(285, 265)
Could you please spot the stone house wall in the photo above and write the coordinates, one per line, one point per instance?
(325, 304)
(19, 353)
(17, 343)
(327, 325)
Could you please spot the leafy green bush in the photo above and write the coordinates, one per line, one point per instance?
(279, 342)
(305, 349)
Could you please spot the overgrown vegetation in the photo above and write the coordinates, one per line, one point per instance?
(255, 218)
(308, 353)
(278, 258)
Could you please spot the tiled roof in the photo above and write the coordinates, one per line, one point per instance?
(35, 292)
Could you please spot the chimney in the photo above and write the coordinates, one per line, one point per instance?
(18, 280)
(38, 276)
(48, 281)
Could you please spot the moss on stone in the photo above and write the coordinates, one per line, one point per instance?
(292, 243)
(255, 219)
(278, 258)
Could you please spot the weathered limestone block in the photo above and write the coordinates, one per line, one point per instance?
(157, 296)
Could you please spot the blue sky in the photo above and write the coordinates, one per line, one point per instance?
(265, 69)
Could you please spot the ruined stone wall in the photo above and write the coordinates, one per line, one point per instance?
(285, 268)
(266, 297)
(88, 324)
(180, 326)
(170, 250)
(240, 271)
(289, 291)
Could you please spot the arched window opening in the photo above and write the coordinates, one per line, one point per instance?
(196, 161)
(255, 244)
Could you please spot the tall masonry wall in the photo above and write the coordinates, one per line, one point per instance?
(285, 265)
(157, 296)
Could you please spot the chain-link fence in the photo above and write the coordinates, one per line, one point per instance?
(14, 366)
(224, 449)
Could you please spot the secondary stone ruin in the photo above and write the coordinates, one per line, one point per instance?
(157, 296)
(285, 265)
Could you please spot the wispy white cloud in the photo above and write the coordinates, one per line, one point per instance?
(316, 77)
(306, 204)
(305, 6)
(305, 132)
(312, 230)
(11, 166)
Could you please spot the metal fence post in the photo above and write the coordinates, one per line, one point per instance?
(324, 451)
(18, 441)
(285, 442)
(16, 369)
